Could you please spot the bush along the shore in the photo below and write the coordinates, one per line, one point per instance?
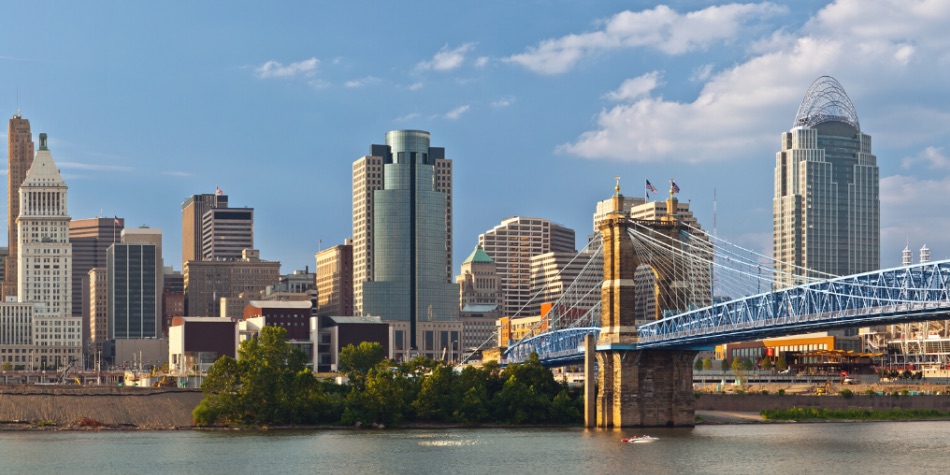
(269, 385)
(815, 414)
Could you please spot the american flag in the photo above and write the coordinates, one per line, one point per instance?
(217, 191)
(650, 187)
(115, 220)
(673, 186)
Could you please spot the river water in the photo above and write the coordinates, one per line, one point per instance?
(917, 448)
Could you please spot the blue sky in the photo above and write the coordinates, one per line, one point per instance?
(539, 104)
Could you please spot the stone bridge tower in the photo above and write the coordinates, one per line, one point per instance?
(637, 388)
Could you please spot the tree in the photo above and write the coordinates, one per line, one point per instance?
(707, 364)
(7, 366)
(780, 364)
(739, 370)
(698, 364)
(268, 384)
(724, 365)
(357, 361)
(766, 363)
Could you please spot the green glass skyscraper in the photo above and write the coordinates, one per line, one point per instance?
(408, 242)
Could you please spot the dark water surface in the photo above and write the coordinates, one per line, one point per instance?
(917, 448)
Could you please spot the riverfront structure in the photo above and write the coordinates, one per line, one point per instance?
(826, 205)
(404, 188)
(19, 158)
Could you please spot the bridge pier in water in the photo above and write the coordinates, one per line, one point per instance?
(634, 387)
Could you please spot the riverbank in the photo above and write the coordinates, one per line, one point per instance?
(24, 407)
(96, 407)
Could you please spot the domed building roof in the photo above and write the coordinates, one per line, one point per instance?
(826, 101)
(479, 256)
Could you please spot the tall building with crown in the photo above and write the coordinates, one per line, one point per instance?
(20, 157)
(405, 189)
(44, 264)
(40, 322)
(826, 206)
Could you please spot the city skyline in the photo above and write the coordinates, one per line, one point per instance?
(541, 108)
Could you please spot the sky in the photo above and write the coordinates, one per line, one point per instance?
(540, 104)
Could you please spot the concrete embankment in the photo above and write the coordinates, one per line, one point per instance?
(755, 403)
(91, 407)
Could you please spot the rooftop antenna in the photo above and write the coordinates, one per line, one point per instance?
(715, 234)
(18, 102)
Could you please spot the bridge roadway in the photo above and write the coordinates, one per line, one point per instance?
(912, 293)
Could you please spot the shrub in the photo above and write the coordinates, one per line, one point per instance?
(781, 392)
(765, 392)
(846, 393)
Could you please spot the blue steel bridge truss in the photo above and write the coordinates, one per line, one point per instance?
(913, 293)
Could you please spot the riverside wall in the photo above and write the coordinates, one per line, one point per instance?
(759, 402)
(26, 406)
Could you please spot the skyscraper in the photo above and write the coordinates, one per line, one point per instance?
(226, 232)
(133, 273)
(20, 157)
(411, 242)
(512, 244)
(44, 272)
(335, 280)
(192, 213)
(826, 205)
(90, 239)
(40, 323)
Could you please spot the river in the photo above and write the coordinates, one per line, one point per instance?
(919, 448)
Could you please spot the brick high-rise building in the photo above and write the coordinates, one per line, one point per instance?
(192, 213)
(335, 280)
(206, 282)
(20, 157)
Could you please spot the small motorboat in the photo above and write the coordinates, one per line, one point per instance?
(640, 439)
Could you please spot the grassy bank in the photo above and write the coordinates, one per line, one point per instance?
(822, 414)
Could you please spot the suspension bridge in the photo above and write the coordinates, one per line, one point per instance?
(654, 292)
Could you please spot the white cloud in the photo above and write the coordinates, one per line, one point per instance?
(407, 117)
(481, 62)
(932, 157)
(176, 173)
(274, 69)
(92, 166)
(416, 86)
(701, 73)
(457, 112)
(736, 112)
(503, 102)
(661, 28)
(635, 88)
(362, 82)
(447, 59)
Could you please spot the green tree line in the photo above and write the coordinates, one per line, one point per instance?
(269, 384)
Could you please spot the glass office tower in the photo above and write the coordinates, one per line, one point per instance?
(412, 236)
